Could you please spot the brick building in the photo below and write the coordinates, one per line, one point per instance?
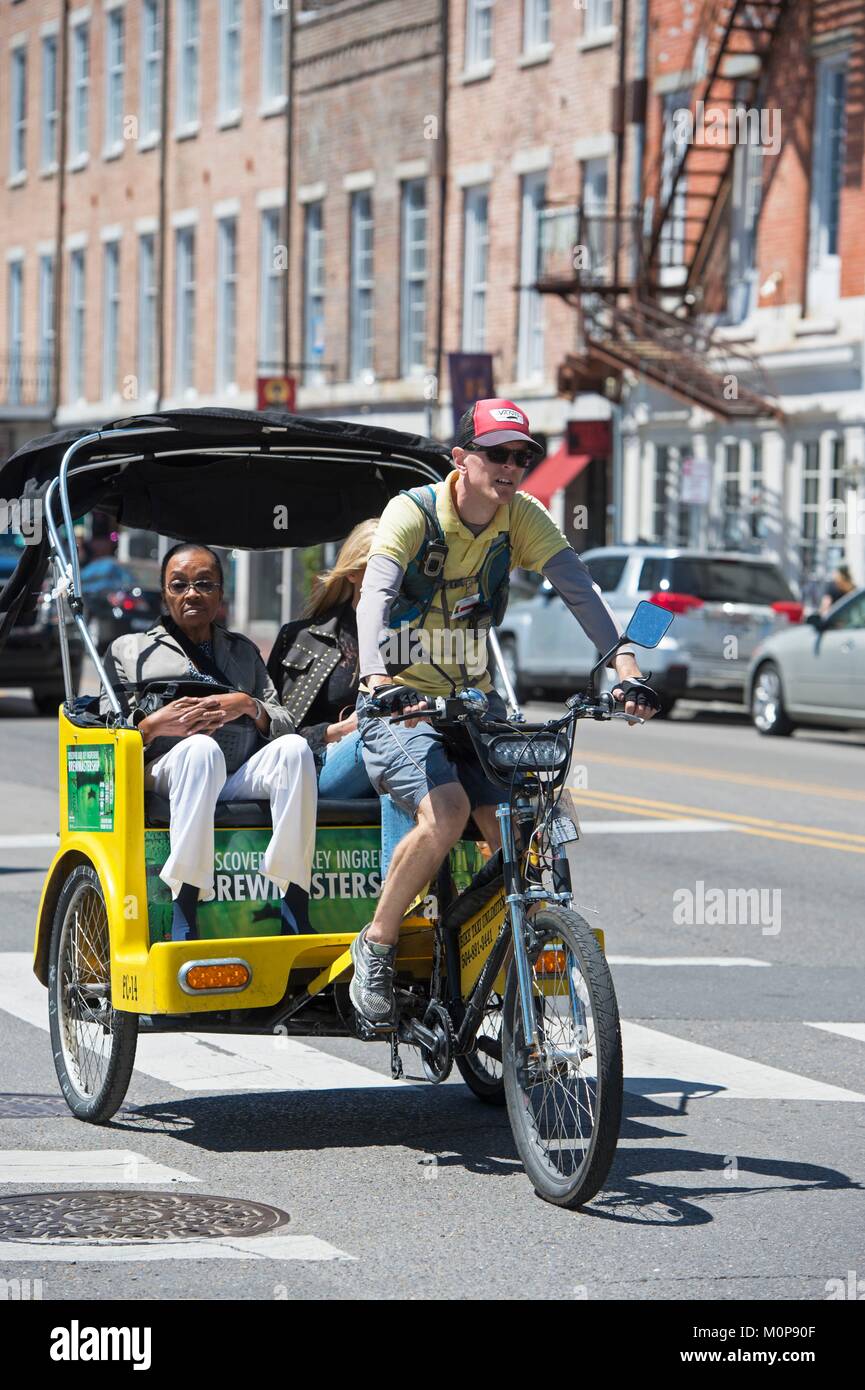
(349, 191)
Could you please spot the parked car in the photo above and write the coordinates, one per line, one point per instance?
(814, 673)
(725, 603)
(118, 600)
(31, 655)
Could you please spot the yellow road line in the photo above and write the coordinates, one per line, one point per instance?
(753, 825)
(715, 775)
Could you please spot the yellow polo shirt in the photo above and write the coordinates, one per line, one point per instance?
(535, 539)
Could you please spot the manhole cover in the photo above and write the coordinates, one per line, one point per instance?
(126, 1216)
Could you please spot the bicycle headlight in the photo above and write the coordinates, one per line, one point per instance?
(544, 753)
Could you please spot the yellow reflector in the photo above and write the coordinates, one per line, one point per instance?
(551, 961)
(218, 977)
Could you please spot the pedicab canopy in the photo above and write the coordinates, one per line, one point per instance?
(232, 478)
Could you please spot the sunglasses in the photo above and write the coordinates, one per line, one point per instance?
(521, 458)
(201, 586)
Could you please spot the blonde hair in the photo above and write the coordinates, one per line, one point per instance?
(333, 586)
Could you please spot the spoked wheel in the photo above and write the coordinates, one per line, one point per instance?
(481, 1069)
(767, 703)
(565, 1103)
(93, 1043)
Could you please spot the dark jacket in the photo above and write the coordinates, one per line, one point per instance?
(314, 671)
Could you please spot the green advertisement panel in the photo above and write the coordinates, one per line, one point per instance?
(90, 786)
(346, 881)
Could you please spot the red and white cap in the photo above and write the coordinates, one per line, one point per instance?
(491, 422)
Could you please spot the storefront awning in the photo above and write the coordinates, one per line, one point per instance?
(555, 473)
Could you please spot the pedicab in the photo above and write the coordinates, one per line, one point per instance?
(495, 972)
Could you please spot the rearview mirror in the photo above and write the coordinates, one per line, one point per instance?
(648, 624)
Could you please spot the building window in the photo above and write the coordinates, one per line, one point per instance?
(274, 37)
(229, 59)
(599, 15)
(672, 243)
(536, 24)
(530, 338)
(671, 519)
(188, 38)
(413, 278)
(49, 101)
(747, 194)
(110, 317)
(226, 304)
(810, 506)
(597, 225)
(361, 329)
(758, 496)
(77, 325)
(79, 134)
(114, 76)
(184, 302)
(475, 257)
(146, 313)
(151, 65)
(824, 271)
(18, 119)
(479, 33)
(272, 291)
(15, 330)
(313, 293)
(45, 341)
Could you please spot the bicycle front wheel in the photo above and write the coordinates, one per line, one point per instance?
(565, 1101)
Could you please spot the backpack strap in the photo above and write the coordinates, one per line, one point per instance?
(432, 555)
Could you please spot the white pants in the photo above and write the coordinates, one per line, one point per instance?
(193, 776)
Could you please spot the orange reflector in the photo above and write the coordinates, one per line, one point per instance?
(218, 977)
(551, 961)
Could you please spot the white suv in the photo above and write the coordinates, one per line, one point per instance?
(725, 604)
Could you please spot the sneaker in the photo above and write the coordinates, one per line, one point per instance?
(371, 987)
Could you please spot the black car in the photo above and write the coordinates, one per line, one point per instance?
(31, 656)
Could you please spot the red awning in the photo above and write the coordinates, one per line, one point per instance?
(555, 473)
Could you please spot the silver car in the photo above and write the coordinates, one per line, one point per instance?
(814, 673)
(724, 603)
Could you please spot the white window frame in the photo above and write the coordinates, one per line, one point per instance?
(824, 258)
(185, 296)
(79, 125)
(115, 80)
(476, 241)
(271, 290)
(150, 73)
(313, 291)
(414, 219)
(745, 201)
(147, 317)
(672, 248)
(530, 327)
(599, 17)
(45, 324)
(230, 61)
(110, 316)
(536, 25)
(18, 112)
(188, 67)
(226, 303)
(274, 42)
(479, 34)
(15, 328)
(77, 324)
(49, 113)
(362, 287)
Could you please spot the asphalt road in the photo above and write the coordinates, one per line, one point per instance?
(740, 1168)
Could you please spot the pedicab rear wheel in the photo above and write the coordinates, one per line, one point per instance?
(481, 1069)
(93, 1043)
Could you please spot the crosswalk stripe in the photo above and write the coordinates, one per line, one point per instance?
(844, 1030)
(29, 841)
(659, 1064)
(84, 1166)
(687, 960)
(144, 1252)
(652, 827)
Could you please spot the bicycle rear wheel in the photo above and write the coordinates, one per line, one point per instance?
(565, 1104)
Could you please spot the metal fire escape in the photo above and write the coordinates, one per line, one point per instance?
(643, 279)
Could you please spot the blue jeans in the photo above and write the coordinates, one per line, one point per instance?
(344, 777)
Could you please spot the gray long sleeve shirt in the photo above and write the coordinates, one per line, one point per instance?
(566, 572)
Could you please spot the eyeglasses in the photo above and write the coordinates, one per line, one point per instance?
(520, 458)
(201, 586)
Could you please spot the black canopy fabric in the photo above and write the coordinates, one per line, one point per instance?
(247, 493)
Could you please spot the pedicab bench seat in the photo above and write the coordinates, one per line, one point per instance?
(231, 815)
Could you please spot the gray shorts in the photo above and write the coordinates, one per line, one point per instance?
(408, 763)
